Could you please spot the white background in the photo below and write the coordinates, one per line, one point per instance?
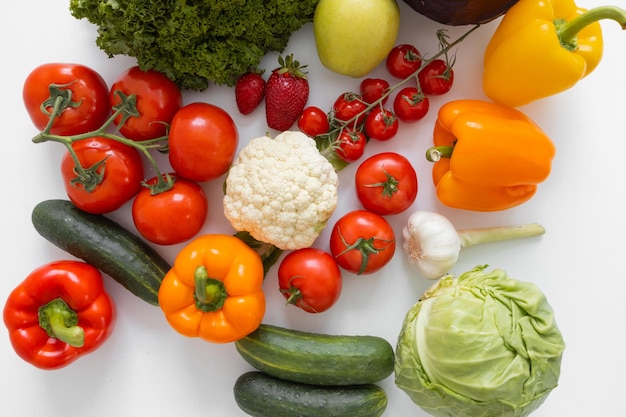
(145, 368)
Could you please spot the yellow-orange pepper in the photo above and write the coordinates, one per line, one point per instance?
(214, 289)
(543, 47)
(487, 157)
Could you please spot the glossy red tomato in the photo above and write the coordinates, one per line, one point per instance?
(203, 141)
(157, 100)
(310, 279)
(362, 242)
(436, 78)
(172, 216)
(348, 106)
(403, 60)
(120, 168)
(83, 91)
(313, 121)
(381, 124)
(350, 145)
(410, 105)
(386, 183)
(373, 89)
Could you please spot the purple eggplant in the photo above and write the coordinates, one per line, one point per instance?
(461, 12)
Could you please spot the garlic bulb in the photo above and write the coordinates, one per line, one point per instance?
(433, 244)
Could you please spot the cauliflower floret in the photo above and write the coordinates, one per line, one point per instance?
(282, 191)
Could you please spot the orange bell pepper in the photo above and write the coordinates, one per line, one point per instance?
(487, 157)
(214, 289)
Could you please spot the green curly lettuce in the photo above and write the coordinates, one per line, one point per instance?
(480, 345)
(194, 42)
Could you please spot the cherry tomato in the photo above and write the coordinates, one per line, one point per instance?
(172, 216)
(350, 145)
(362, 242)
(436, 78)
(373, 89)
(310, 279)
(82, 90)
(381, 124)
(403, 60)
(157, 100)
(386, 183)
(348, 106)
(120, 168)
(313, 121)
(410, 105)
(203, 141)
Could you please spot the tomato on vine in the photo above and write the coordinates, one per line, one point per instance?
(313, 121)
(349, 105)
(436, 78)
(203, 140)
(386, 183)
(75, 96)
(172, 216)
(110, 174)
(381, 124)
(350, 144)
(310, 279)
(157, 99)
(362, 242)
(410, 105)
(403, 60)
(373, 89)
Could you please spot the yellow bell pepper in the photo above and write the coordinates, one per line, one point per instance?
(214, 289)
(488, 157)
(543, 47)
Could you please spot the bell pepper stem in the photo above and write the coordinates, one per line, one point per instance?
(568, 31)
(470, 237)
(435, 153)
(61, 322)
(210, 293)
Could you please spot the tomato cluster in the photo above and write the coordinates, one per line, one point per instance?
(109, 133)
(357, 117)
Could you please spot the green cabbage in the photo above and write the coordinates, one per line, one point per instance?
(479, 345)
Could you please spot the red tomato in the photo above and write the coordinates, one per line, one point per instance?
(372, 89)
(120, 167)
(436, 78)
(172, 216)
(410, 105)
(203, 141)
(310, 279)
(84, 92)
(350, 144)
(313, 121)
(157, 100)
(386, 183)
(381, 124)
(403, 60)
(362, 242)
(348, 106)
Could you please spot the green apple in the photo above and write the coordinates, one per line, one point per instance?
(353, 36)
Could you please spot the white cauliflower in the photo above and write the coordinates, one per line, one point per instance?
(282, 191)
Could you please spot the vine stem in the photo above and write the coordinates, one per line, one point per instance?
(163, 183)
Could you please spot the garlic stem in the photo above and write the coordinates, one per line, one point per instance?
(470, 237)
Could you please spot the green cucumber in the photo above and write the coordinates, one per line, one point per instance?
(104, 244)
(314, 358)
(262, 395)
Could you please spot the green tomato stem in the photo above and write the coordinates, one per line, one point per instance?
(61, 322)
(470, 237)
(569, 30)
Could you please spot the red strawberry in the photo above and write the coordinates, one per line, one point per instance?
(249, 91)
(286, 95)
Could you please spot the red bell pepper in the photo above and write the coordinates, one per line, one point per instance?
(60, 312)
